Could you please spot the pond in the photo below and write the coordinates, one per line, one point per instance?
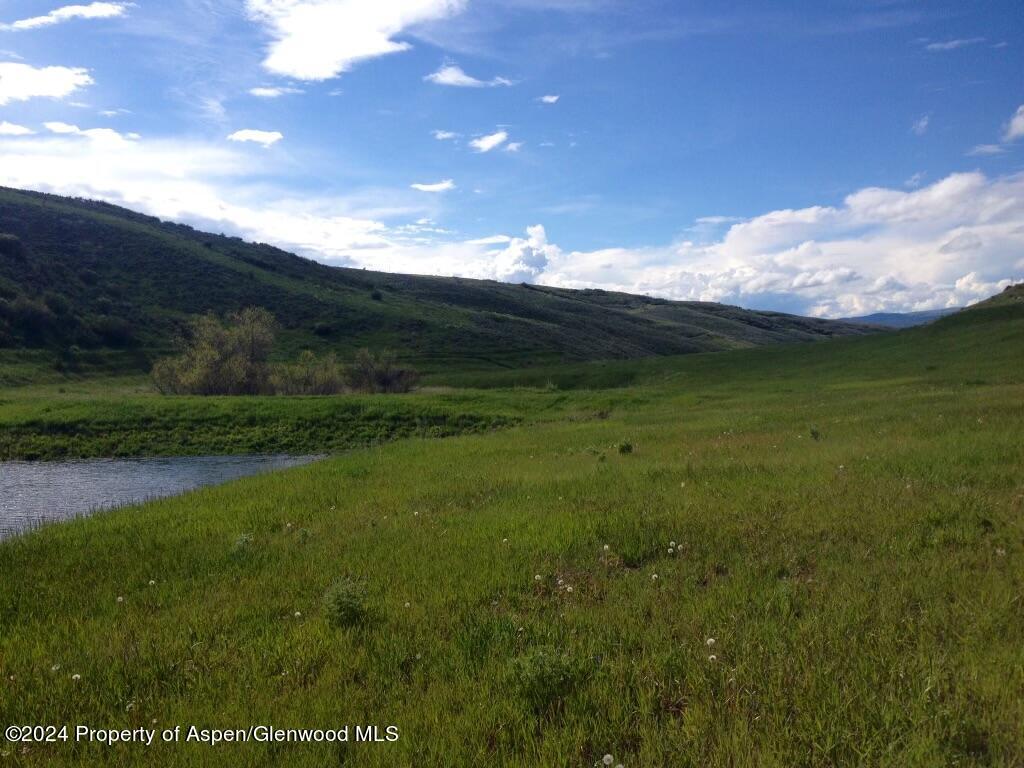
(37, 492)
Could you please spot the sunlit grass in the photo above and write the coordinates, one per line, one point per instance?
(852, 598)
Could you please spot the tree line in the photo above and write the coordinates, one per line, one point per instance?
(233, 358)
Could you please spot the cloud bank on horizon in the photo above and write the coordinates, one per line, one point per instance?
(651, 165)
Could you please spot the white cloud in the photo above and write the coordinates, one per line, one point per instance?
(551, 99)
(524, 260)
(452, 75)
(920, 127)
(489, 142)
(947, 244)
(441, 186)
(513, 146)
(915, 180)
(952, 45)
(21, 82)
(11, 129)
(444, 135)
(715, 221)
(1015, 128)
(100, 135)
(986, 149)
(273, 92)
(69, 12)
(265, 138)
(320, 39)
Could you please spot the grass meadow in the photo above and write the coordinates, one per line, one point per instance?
(797, 556)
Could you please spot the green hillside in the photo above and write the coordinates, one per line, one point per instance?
(119, 286)
(795, 555)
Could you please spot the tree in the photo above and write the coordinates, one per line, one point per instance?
(379, 372)
(222, 358)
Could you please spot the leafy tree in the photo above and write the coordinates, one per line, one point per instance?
(309, 375)
(222, 358)
(379, 372)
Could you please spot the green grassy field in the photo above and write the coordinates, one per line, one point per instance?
(805, 555)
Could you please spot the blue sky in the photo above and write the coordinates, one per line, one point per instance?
(830, 157)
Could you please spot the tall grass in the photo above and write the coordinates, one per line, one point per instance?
(853, 599)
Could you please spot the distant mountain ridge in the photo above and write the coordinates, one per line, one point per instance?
(94, 276)
(902, 319)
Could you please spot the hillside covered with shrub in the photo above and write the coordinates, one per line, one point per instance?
(81, 278)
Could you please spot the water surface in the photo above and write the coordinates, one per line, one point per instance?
(37, 492)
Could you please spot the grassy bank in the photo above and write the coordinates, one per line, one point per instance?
(848, 526)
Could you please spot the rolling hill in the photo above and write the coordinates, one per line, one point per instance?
(902, 319)
(95, 277)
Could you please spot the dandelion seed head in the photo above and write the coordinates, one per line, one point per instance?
(537, 577)
(55, 667)
(712, 658)
(607, 759)
(671, 551)
(654, 577)
(298, 614)
(710, 641)
(407, 605)
(152, 582)
(76, 676)
(568, 589)
(120, 599)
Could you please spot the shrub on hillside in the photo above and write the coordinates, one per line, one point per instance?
(309, 375)
(222, 358)
(545, 677)
(379, 373)
(345, 603)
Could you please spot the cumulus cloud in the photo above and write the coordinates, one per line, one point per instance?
(264, 138)
(444, 135)
(551, 99)
(513, 146)
(946, 244)
(524, 260)
(21, 82)
(69, 12)
(489, 142)
(920, 127)
(452, 75)
(320, 39)
(12, 129)
(1015, 128)
(273, 92)
(440, 186)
